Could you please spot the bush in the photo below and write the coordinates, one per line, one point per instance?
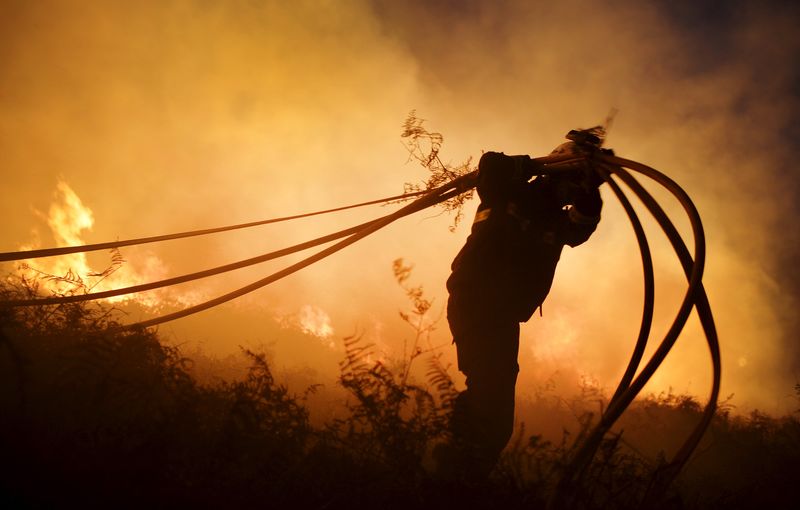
(96, 415)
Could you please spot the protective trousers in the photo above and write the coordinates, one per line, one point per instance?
(483, 419)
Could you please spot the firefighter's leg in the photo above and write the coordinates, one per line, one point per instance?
(483, 419)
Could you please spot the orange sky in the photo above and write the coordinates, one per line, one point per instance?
(174, 115)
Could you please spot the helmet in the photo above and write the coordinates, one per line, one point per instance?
(565, 149)
(581, 140)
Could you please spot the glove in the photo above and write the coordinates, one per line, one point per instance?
(591, 179)
(575, 193)
(588, 203)
(525, 167)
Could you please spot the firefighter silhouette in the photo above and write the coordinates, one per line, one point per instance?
(499, 278)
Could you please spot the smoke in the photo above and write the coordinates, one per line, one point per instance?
(168, 116)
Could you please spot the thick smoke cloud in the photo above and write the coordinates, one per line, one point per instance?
(165, 116)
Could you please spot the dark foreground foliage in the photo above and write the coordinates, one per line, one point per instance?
(95, 416)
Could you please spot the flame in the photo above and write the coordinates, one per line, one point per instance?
(68, 219)
(311, 320)
(315, 321)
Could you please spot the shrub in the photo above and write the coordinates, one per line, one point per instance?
(96, 415)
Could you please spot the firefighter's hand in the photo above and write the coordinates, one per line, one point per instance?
(567, 190)
(591, 179)
(526, 167)
(576, 193)
(588, 203)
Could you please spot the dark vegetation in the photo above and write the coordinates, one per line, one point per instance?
(97, 416)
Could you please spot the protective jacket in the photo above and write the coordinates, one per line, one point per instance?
(507, 265)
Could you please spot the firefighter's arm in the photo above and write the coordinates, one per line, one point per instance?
(583, 215)
(499, 175)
